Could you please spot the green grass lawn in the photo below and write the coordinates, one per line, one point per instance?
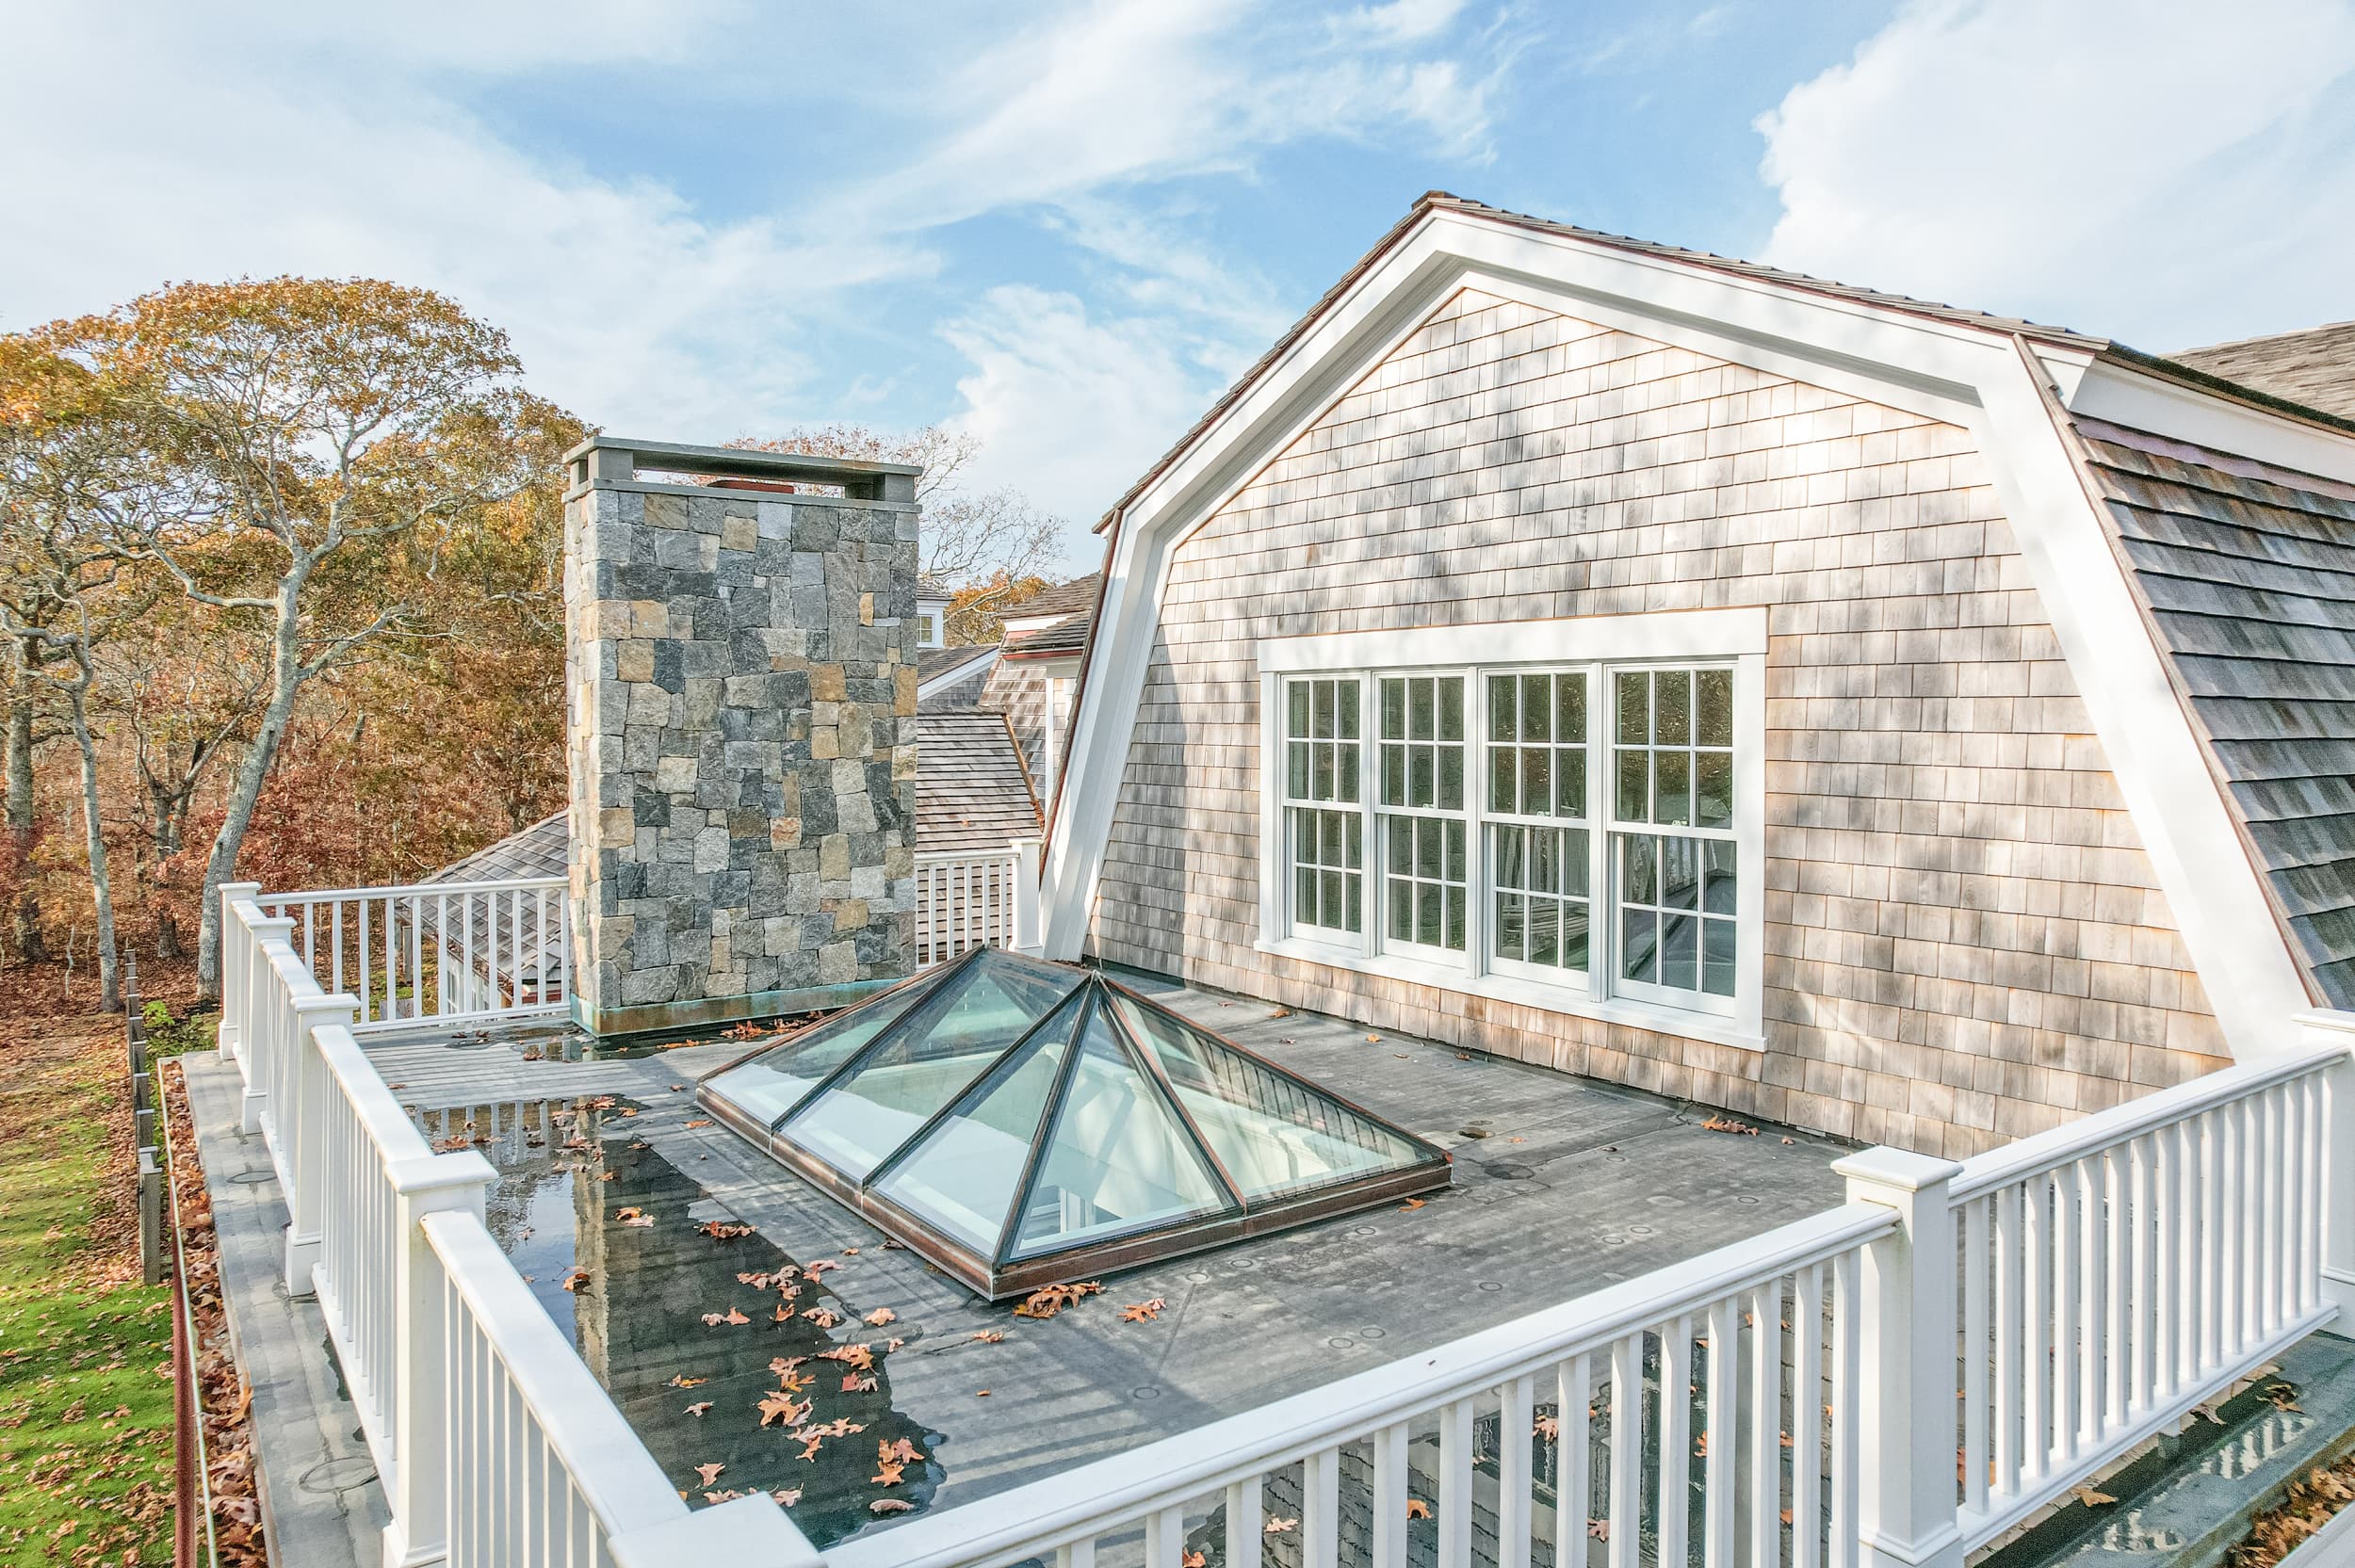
(85, 1348)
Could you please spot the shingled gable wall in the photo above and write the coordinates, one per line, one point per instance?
(741, 733)
(1965, 941)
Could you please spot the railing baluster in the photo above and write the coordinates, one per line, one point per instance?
(2090, 1263)
(367, 993)
(1846, 1364)
(1389, 1487)
(1573, 1480)
(1516, 1472)
(1806, 1427)
(1243, 1526)
(1766, 1424)
(2067, 1205)
(1676, 1441)
(1320, 1509)
(2010, 1383)
(2142, 1296)
(1456, 1484)
(1723, 1409)
(1975, 1276)
(1626, 1448)
(2117, 1263)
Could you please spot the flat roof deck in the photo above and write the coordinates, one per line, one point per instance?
(1574, 1186)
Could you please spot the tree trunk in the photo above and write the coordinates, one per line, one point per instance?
(286, 678)
(102, 894)
(18, 769)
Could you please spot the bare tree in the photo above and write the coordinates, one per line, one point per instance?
(983, 543)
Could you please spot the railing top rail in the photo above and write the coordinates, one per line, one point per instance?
(395, 1137)
(301, 985)
(614, 1474)
(950, 857)
(335, 895)
(2105, 1129)
(1033, 1519)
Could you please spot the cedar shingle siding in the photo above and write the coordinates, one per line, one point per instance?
(1965, 940)
(2248, 575)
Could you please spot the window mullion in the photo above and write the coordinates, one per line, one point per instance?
(1369, 814)
(1475, 771)
(1602, 768)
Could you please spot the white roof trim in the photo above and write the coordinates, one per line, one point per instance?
(970, 670)
(1941, 370)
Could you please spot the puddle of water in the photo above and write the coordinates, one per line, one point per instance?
(788, 1392)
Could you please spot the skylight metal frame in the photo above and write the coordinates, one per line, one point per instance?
(999, 1275)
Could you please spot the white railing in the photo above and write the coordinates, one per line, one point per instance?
(435, 952)
(969, 900)
(495, 1442)
(2116, 1271)
(1766, 1332)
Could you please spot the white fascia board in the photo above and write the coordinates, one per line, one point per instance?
(2217, 894)
(2123, 395)
(1566, 640)
(1939, 369)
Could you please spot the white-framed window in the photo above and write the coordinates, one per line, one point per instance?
(1566, 814)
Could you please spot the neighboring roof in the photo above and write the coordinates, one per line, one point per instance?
(1068, 636)
(2246, 576)
(536, 851)
(971, 789)
(932, 664)
(1441, 200)
(2316, 367)
(1075, 597)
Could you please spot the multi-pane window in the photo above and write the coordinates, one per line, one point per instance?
(1672, 761)
(1575, 827)
(1321, 754)
(1426, 881)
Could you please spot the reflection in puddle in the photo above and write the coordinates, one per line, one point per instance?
(740, 1369)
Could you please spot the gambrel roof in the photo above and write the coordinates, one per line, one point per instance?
(2228, 723)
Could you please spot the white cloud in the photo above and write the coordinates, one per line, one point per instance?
(2126, 167)
(1071, 408)
(625, 303)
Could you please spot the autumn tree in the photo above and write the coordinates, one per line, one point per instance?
(312, 426)
(72, 481)
(977, 546)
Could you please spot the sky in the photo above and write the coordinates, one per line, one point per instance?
(1064, 226)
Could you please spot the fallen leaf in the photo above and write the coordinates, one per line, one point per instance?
(2092, 1499)
(1049, 1300)
(890, 1505)
(627, 1213)
(1728, 1125)
(1373, 1039)
(1417, 1509)
(981, 1394)
(1549, 1428)
(853, 1384)
(642, 1219)
(810, 1446)
(860, 1356)
(709, 1473)
(787, 1496)
(886, 1475)
(683, 1381)
(783, 1410)
(1599, 1529)
(1786, 1516)
(821, 1317)
(1143, 1312)
(1277, 1527)
(816, 1268)
(990, 1336)
(880, 1317)
(1410, 1205)
(698, 1408)
(578, 1278)
(699, 1122)
(1788, 1141)
(1190, 1559)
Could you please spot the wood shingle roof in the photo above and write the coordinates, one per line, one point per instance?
(2315, 367)
(2247, 577)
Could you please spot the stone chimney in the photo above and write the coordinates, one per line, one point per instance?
(741, 731)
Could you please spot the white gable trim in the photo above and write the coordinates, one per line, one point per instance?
(2142, 401)
(1940, 369)
(973, 669)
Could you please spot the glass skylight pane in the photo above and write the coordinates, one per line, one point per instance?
(1274, 1135)
(1118, 1159)
(943, 1046)
(768, 1085)
(963, 1176)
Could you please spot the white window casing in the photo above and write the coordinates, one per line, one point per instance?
(1486, 852)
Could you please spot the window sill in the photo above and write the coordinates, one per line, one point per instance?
(1649, 1016)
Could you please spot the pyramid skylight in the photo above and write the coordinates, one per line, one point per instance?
(1019, 1123)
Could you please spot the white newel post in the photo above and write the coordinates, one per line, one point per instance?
(1025, 934)
(262, 1013)
(418, 1492)
(2338, 1163)
(299, 1128)
(1907, 1431)
(233, 968)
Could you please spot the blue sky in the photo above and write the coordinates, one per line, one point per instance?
(1064, 227)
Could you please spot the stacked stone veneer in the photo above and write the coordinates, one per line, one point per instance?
(743, 674)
